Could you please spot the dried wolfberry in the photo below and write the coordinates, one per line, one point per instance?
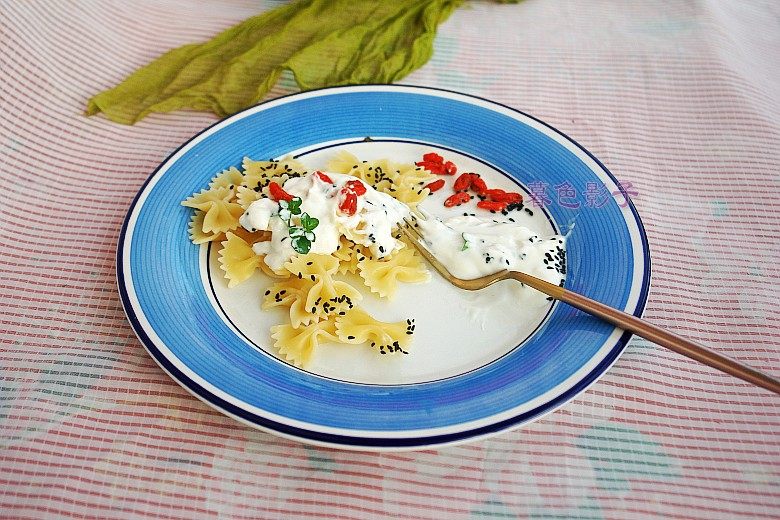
(348, 204)
(324, 177)
(494, 195)
(277, 193)
(503, 196)
(457, 199)
(356, 187)
(492, 205)
(435, 185)
(450, 168)
(433, 167)
(433, 157)
(463, 182)
(478, 184)
(512, 197)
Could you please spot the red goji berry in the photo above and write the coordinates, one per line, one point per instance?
(435, 185)
(324, 177)
(433, 167)
(356, 187)
(512, 197)
(450, 168)
(494, 195)
(491, 205)
(503, 196)
(277, 193)
(478, 184)
(457, 199)
(433, 157)
(348, 204)
(463, 182)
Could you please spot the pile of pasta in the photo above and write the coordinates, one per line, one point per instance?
(322, 306)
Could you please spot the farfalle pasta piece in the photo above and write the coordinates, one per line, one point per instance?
(246, 196)
(230, 178)
(251, 237)
(204, 198)
(383, 276)
(327, 297)
(285, 292)
(197, 235)
(357, 326)
(221, 215)
(296, 345)
(348, 254)
(343, 162)
(270, 272)
(257, 174)
(409, 184)
(237, 259)
(291, 293)
(312, 264)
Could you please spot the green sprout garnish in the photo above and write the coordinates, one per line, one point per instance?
(465, 242)
(301, 234)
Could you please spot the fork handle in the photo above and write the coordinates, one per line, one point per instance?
(652, 333)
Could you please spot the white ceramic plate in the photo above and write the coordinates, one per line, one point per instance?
(480, 363)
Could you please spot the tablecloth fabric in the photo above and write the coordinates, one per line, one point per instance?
(679, 98)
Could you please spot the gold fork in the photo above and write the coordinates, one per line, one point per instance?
(609, 314)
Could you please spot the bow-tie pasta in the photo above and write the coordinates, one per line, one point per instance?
(330, 234)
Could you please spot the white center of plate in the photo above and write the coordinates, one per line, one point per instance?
(456, 331)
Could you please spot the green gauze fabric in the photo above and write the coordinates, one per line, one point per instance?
(323, 43)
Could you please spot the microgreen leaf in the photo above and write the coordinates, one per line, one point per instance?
(309, 223)
(295, 206)
(301, 245)
(296, 231)
(465, 242)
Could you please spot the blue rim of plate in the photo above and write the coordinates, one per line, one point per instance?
(161, 292)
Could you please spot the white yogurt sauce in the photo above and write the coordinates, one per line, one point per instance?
(371, 225)
(470, 247)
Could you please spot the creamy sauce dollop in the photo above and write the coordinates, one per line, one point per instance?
(470, 247)
(371, 225)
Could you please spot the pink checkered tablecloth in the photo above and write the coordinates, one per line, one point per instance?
(680, 98)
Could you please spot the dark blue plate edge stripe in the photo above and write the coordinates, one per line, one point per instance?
(369, 442)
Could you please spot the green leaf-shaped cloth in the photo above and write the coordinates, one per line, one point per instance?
(323, 43)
